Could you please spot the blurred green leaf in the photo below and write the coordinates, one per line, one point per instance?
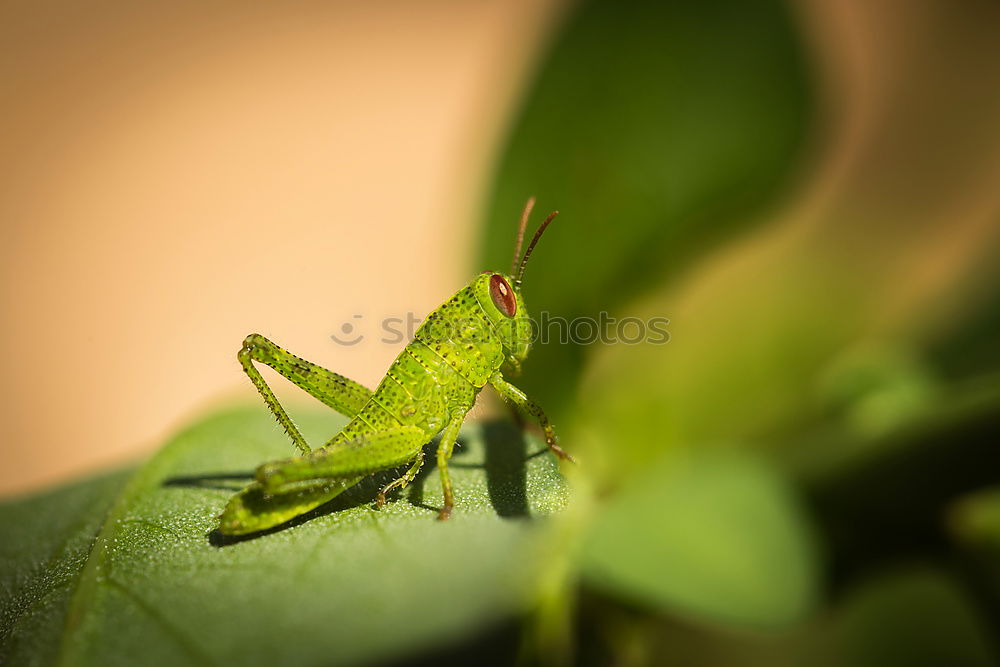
(956, 432)
(975, 521)
(912, 617)
(872, 390)
(143, 580)
(769, 346)
(904, 615)
(858, 259)
(718, 537)
(973, 346)
(750, 344)
(880, 496)
(657, 129)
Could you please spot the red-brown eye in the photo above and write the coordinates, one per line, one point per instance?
(503, 295)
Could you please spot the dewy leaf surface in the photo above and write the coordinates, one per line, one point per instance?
(349, 585)
(44, 544)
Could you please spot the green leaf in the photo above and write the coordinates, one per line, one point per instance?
(919, 616)
(658, 129)
(720, 538)
(975, 522)
(44, 545)
(350, 584)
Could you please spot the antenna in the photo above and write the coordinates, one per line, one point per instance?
(531, 246)
(520, 232)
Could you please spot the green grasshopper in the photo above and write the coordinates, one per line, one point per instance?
(429, 389)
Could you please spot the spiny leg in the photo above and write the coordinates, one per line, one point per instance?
(445, 447)
(252, 509)
(401, 483)
(286, 489)
(521, 400)
(366, 454)
(340, 393)
(333, 389)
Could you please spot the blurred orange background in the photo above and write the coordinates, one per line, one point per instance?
(177, 175)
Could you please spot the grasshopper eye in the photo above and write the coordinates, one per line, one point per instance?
(503, 295)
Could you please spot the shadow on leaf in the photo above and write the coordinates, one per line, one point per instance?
(504, 456)
(237, 480)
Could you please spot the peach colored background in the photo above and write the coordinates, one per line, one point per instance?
(177, 175)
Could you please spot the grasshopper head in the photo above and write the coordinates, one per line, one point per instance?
(504, 306)
(505, 294)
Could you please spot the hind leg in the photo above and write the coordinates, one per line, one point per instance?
(341, 393)
(290, 487)
(362, 456)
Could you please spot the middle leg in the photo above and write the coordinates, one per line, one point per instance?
(445, 447)
(401, 483)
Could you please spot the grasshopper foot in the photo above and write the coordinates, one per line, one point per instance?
(560, 452)
(445, 513)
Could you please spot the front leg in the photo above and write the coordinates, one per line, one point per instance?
(521, 400)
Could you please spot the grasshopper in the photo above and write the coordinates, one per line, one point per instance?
(461, 347)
